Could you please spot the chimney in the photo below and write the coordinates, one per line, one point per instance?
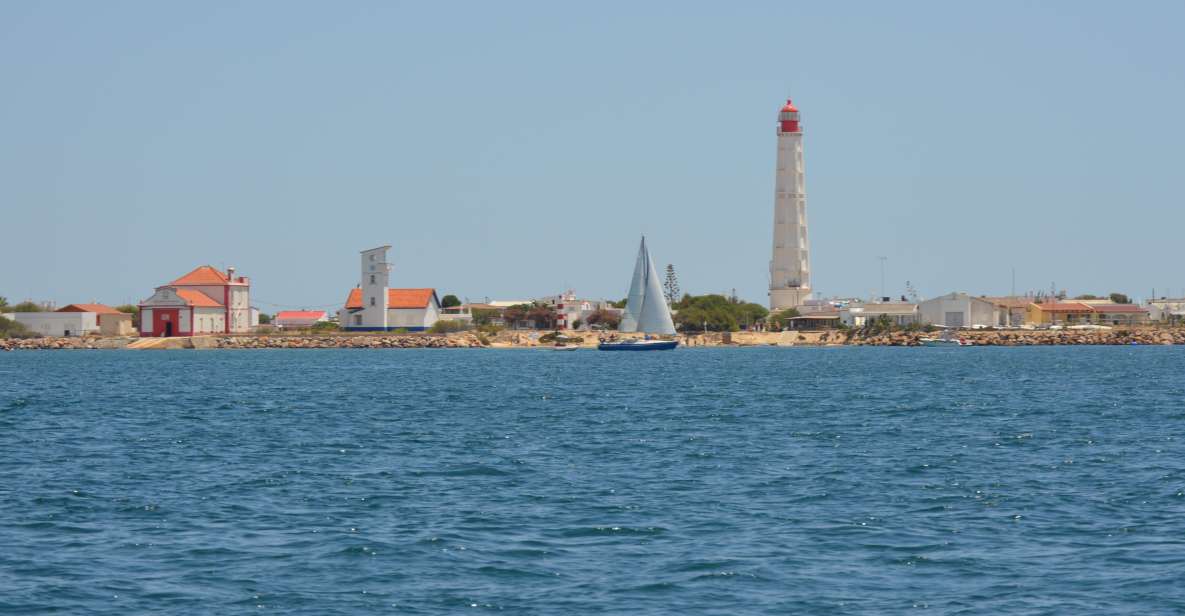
(230, 273)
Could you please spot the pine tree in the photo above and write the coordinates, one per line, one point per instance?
(670, 288)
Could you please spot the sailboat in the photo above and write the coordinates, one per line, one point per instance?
(646, 310)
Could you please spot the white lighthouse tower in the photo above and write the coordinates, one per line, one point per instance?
(789, 268)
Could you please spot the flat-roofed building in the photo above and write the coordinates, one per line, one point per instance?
(1119, 314)
(1165, 310)
(59, 324)
(899, 314)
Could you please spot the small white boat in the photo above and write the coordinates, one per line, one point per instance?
(946, 339)
(565, 347)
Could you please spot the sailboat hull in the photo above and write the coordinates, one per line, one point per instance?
(639, 345)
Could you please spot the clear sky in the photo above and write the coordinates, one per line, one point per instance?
(512, 150)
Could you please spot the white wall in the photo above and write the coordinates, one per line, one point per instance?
(208, 320)
(411, 317)
(59, 323)
(375, 268)
(240, 308)
(966, 311)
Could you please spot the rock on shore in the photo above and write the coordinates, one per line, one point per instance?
(462, 341)
(1148, 336)
(1143, 336)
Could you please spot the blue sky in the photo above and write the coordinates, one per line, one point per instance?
(515, 149)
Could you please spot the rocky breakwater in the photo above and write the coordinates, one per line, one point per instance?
(50, 344)
(461, 341)
(1141, 336)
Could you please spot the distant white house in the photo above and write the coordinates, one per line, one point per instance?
(374, 306)
(571, 309)
(959, 310)
(861, 314)
(1166, 310)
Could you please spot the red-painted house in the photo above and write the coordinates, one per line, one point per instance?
(204, 301)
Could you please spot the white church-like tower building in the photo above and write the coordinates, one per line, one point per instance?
(376, 278)
(789, 268)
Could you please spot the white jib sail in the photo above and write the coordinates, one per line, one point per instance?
(646, 309)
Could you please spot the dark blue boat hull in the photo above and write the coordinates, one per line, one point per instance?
(640, 345)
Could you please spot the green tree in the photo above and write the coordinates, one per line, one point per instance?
(715, 312)
(513, 314)
(445, 326)
(670, 287)
(449, 301)
(621, 303)
(781, 319)
(28, 307)
(12, 329)
(483, 316)
(749, 314)
(1120, 298)
(543, 316)
(4, 304)
(601, 318)
(1088, 296)
(265, 318)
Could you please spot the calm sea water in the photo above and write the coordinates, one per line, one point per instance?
(700, 481)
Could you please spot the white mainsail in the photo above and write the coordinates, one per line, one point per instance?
(645, 308)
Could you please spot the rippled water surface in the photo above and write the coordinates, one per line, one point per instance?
(699, 481)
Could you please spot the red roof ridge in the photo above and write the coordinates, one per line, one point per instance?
(202, 275)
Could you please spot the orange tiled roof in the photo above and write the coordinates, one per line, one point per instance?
(197, 299)
(95, 308)
(204, 275)
(396, 298)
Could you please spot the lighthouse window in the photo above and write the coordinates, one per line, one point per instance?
(372, 279)
(372, 301)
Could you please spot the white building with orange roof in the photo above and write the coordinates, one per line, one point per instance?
(204, 301)
(374, 306)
